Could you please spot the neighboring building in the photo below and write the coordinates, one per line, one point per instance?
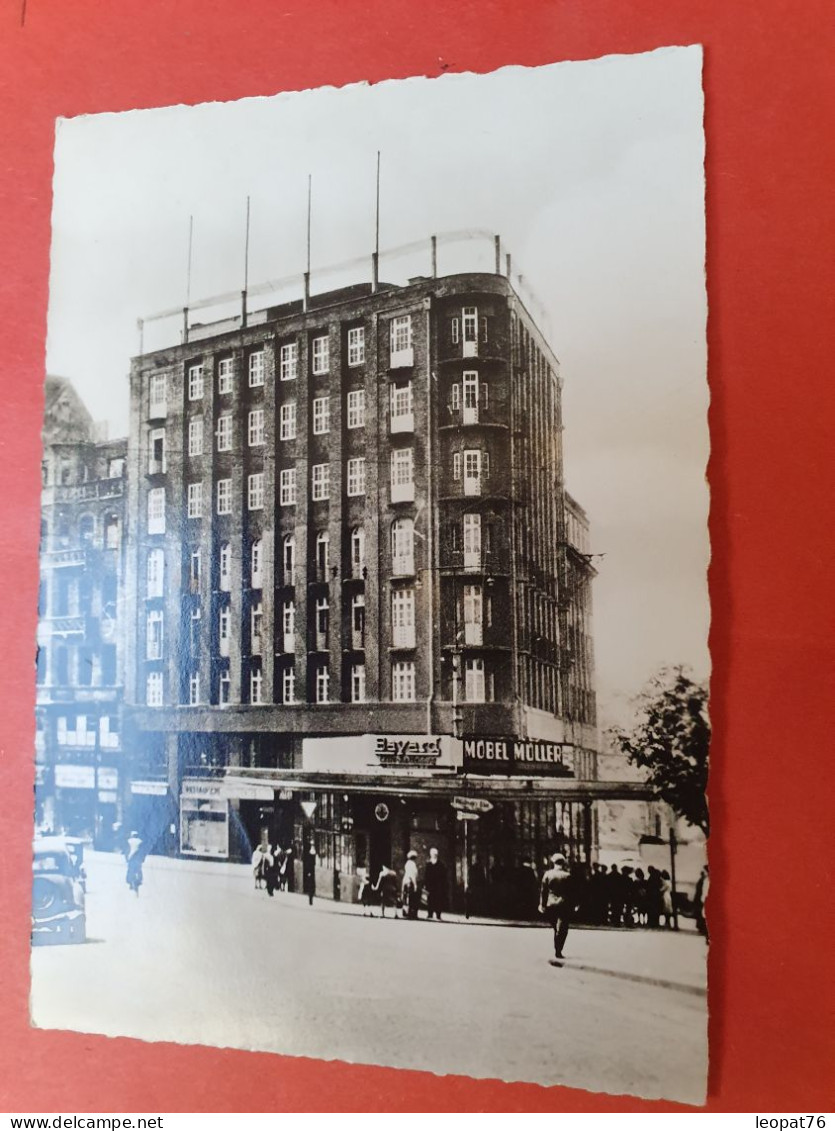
(80, 780)
(359, 594)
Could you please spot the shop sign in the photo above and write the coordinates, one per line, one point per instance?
(150, 788)
(203, 787)
(517, 756)
(107, 778)
(371, 753)
(284, 795)
(75, 777)
(247, 791)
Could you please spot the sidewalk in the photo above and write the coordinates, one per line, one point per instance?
(673, 960)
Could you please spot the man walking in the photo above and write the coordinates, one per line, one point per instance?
(435, 883)
(556, 900)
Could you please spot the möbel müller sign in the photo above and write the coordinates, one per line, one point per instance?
(516, 756)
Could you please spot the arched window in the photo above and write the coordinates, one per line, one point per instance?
(322, 555)
(288, 559)
(357, 551)
(403, 546)
(256, 563)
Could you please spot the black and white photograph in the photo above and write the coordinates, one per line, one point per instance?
(372, 700)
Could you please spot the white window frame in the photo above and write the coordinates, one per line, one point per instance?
(154, 634)
(225, 375)
(473, 599)
(357, 551)
(356, 408)
(224, 432)
(288, 626)
(322, 681)
(194, 569)
(156, 510)
(256, 627)
(158, 395)
(456, 466)
(287, 492)
(255, 491)
(288, 559)
(356, 346)
(256, 685)
(289, 361)
(320, 482)
(402, 475)
(323, 547)
(357, 683)
(224, 688)
(402, 408)
(288, 685)
(455, 331)
(194, 689)
(195, 436)
(195, 381)
(257, 366)
(157, 466)
(225, 567)
(472, 540)
(469, 331)
(320, 355)
(255, 427)
(321, 416)
(322, 614)
(154, 689)
(358, 620)
(224, 496)
(401, 342)
(403, 681)
(356, 476)
(403, 546)
(155, 573)
(287, 421)
(195, 500)
(403, 618)
(224, 629)
(475, 681)
(470, 398)
(256, 555)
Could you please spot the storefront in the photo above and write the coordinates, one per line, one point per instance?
(204, 818)
(87, 802)
(152, 813)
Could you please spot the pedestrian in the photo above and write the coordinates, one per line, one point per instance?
(409, 890)
(261, 860)
(667, 899)
(435, 885)
(700, 899)
(271, 871)
(640, 898)
(614, 889)
(134, 856)
(556, 900)
(309, 874)
(654, 901)
(385, 889)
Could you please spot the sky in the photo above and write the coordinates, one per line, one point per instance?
(591, 172)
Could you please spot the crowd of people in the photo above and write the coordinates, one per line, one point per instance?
(273, 868)
(625, 897)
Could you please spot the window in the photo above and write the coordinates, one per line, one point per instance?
(356, 476)
(475, 684)
(225, 567)
(225, 372)
(224, 496)
(288, 685)
(322, 684)
(356, 346)
(473, 612)
(287, 487)
(472, 541)
(109, 732)
(156, 451)
(255, 491)
(357, 551)
(112, 531)
(322, 620)
(256, 621)
(224, 433)
(470, 398)
(153, 689)
(224, 688)
(402, 482)
(321, 355)
(289, 362)
(194, 689)
(194, 569)
(356, 409)
(256, 686)
(155, 573)
(196, 621)
(159, 395)
(195, 382)
(115, 468)
(288, 557)
(321, 481)
(321, 415)
(153, 635)
(255, 429)
(358, 683)
(323, 542)
(195, 500)
(401, 341)
(287, 421)
(156, 510)
(195, 436)
(469, 327)
(255, 557)
(288, 626)
(403, 618)
(403, 682)
(402, 408)
(455, 331)
(456, 465)
(256, 369)
(224, 629)
(475, 468)
(403, 546)
(358, 621)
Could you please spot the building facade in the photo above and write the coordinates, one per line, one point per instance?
(359, 593)
(81, 779)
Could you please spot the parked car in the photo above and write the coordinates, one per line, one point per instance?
(58, 897)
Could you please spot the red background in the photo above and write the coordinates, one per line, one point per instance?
(771, 279)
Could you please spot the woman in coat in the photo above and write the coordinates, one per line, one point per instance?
(309, 874)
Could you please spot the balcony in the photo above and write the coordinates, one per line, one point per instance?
(403, 565)
(358, 640)
(288, 642)
(67, 626)
(472, 560)
(474, 634)
(77, 557)
(403, 422)
(402, 359)
(472, 485)
(402, 492)
(470, 349)
(469, 414)
(84, 492)
(403, 636)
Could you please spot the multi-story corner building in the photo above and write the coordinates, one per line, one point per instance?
(80, 778)
(360, 592)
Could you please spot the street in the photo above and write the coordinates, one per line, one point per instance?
(200, 957)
